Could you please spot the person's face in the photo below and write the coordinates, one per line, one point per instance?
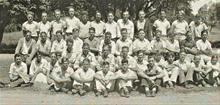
(125, 16)
(39, 58)
(59, 36)
(214, 60)
(110, 17)
(69, 36)
(158, 57)
(108, 38)
(86, 65)
(53, 57)
(180, 17)
(18, 60)
(204, 36)
(84, 18)
(140, 56)
(170, 58)
(124, 52)
(158, 34)
(163, 16)
(172, 36)
(124, 67)
(71, 12)
(57, 15)
(30, 17)
(98, 16)
(197, 59)
(28, 36)
(43, 37)
(86, 50)
(105, 51)
(189, 36)
(44, 17)
(124, 34)
(92, 33)
(65, 65)
(151, 61)
(141, 35)
(69, 44)
(75, 34)
(141, 15)
(105, 68)
(182, 57)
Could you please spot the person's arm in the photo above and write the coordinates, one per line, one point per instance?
(18, 47)
(132, 76)
(143, 75)
(132, 31)
(88, 78)
(117, 52)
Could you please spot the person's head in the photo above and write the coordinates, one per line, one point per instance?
(92, 32)
(214, 59)
(105, 66)
(162, 15)
(57, 14)
(180, 16)
(75, 33)
(38, 57)
(44, 16)
(106, 49)
(84, 16)
(158, 56)
(141, 15)
(108, 37)
(141, 34)
(43, 37)
(17, 59)
(64, 63)
(59, 35)
(28, 35)
(53, 57)
(182, 56)
(124, 63)
(98, 16)
(204, 35)
(110, 17)
(86, 64)
(151, 61)
(86, 48)
(125, 16)
(171, 36)
(158, 35)
(124, 33)
(170, 57)
(71, 11)
(198, 19)
(140, 55)
(197, 59)
(30, 17)
(124, 51)
(69, 43)
(189, 35)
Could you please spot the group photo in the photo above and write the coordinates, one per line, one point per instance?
(110, 52)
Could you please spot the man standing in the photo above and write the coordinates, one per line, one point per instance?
(98, 24)
(72, 22)
(44, 25)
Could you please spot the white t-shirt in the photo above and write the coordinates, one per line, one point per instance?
(163, 26)
(33, 27)
(180, 27)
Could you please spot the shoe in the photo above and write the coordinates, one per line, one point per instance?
(122, 93)
(105, 93)
(126, 93)
(153, 93)
(74, 91)
(82, 92)
(147, 94)
(98, 93)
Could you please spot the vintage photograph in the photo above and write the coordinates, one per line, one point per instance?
(109, 52)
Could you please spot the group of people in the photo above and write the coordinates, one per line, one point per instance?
(75, 55)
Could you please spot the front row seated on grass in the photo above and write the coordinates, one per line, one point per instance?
(150, 74)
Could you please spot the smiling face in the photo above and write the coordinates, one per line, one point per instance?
(43, 37)
(110, 17)
(57, 15)
(86, 65)
(71, 12)
(141, 35)
(140, 56)
(18, 60)
(28, 36)
(214, 60)
(44, 17)
(125, 16)
(124, 52)
(30, 18)
(141, 15)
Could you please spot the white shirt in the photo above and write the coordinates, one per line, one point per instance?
(14, 68)
(43, 65)
(113, 29)
(180, 27)
(140, 25)
(33, 27)
(113, 47)
(201, 45)
(84, 29)
(72, 23)
(99, 27)
(80, 73)
(163, 26)
(173, 46)
(158, 45)
(77, 45)
(197, 29)
(45, 27)
(129, 26)
(120, 44)
(141, 45)
(58, 46)
(57, 25)
(57, 72)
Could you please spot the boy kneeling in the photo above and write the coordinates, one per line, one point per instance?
(83, 78)
(104, 80)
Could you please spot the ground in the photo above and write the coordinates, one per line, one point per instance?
(38, 94)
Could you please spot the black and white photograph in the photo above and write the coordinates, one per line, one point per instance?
(109, 52)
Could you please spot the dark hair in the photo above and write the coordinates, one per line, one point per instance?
(69, 40)
(43, 33)
(214, 56)
(64, 59)
(124, 61)
(170, 54)
(86, 60)
(75, 29)
(140, 51)
(92, 28)
(140, 30)
(106, 45)
(59, 31)
(85, 44)
(204, 31)
(124, 29)
(17, 55)
(125, 47)
(108, 33)
(105, 63)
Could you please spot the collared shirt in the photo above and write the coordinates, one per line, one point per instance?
(58, 73)
(57, 25)
(84, 30)
(72, 23)
(45, 27)
(197, 29)
(94, 43)
(80, 73)
(81, 57)
(99, 27)
(77, 45)
(163, 26)
(201, 45)
(58, 46)
(113, 29)
(128, 73)
(173, 46)
(46, 47)
(129, 26)
(112, 44)
(110, 59)
(24, 47)
(185, 66)
(214, 67)
(43, 65)
(120, 44)
(180, 27)
(158, 45)
(141, 45)
(33, 27)
(131, 62)
(14, 68)
(140, 25)
(142, 66)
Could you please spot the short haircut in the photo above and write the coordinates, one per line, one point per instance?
(204, 31)
(64, 59)
(125, 47)
(105, 63)
(170, 54)
(75, 29)
(59, 32)
(106, 45)
(92, 28)
(84, 13)
(85, 44)
(108, 33)
(140, 30)
(57, 10)
(140, 51)
(124, 29)
(124, 61)
(44, 13)
(17, 55)
(43, 33)
(30, 13)
(27, 31)
(214, 56)
(69, 41)
(86, 60)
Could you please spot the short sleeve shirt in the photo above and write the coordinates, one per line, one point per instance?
(33, 27)
(14, 68)
(163, 26)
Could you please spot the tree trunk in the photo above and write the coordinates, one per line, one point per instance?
(4, 19)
